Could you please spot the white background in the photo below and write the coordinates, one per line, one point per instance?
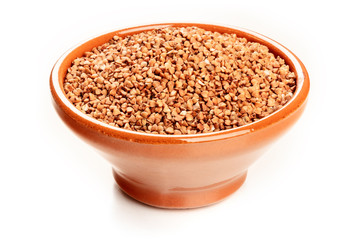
(54, 186)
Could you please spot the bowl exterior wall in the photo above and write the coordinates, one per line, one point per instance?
(184, 172)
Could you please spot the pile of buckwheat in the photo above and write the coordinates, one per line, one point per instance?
(179, 81)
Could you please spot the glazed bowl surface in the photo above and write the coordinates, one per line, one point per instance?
(180, 171)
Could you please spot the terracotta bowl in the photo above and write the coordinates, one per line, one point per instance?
(180, 171)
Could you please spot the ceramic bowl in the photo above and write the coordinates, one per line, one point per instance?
(180, 171)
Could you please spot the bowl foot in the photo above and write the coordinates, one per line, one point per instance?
(179, 198)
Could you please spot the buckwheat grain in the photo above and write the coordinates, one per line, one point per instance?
(179, 81)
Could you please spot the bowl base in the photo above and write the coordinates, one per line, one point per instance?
(179, 198)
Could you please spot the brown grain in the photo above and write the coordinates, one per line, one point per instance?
(179, 81)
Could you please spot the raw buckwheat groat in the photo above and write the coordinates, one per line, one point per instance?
(179, 81)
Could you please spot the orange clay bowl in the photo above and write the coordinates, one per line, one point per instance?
(180, 171)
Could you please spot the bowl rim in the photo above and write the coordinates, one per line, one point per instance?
(299, 98)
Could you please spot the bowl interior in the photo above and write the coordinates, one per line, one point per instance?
(302, 82)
